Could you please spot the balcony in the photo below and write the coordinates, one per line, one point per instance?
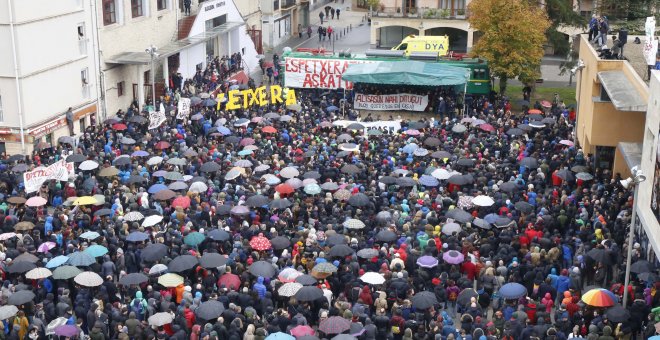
(420, 13)
(286, 4)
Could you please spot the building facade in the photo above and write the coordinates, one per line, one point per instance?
(47, 65)
(282, 19)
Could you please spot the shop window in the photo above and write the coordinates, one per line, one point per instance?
(161, 4)
(137, 8)
(109, 12)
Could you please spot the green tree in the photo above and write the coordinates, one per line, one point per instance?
(561, 13)
(513, 37)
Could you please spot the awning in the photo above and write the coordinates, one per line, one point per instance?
(143, 58)
(406, 73)
(621, 91)
(632, 153)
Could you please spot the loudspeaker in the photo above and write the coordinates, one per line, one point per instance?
(623, 36)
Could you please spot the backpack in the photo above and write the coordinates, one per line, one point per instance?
(453, 295)
(137, 307)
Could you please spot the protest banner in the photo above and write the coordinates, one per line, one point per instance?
(59, 171)
(385, 102)
(387, 126)
(318, 73)
(261, 96)
(157, 118)
(183, 108)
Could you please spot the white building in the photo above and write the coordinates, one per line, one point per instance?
(47, 65)
(280, 19)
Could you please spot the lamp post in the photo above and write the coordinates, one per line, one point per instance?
(152, 51)
(638, 177)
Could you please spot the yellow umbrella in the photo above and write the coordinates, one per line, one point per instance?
(170, 280)
(109, 172)
(84, 200)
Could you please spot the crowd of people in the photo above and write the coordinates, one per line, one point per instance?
(273, 223)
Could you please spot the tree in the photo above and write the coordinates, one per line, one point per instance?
(513, 37)
(561, 13)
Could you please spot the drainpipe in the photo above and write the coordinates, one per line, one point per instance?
(100, 94)
(19, 97)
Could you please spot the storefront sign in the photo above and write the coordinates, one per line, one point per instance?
(258, 97)
(213, 6)
(387, 126)
(60, 171)
(47, 128)
(183, 108)
(318, 73)
(385, 102)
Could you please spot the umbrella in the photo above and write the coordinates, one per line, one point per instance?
(85, 200)
(257, 201)
(451, 228)
(88, 165)
(515, 132)
(428, 181)
(459, 128)
(282, 203)
(373, 278)
(20, 267)
(386, 236)
(181, 201)
(260, 243)
(133, 279)
(262, 268)
(350, 169)
(453, 257)
(325, 267)
(165, 194)
(288, 275)
(353, 223)
(160, 319)
(509, 187)
(16, 200)
(158, 268)
(359, 200)
(512, 290)
(65, 272)
(566, 142)
(483, 201)
(289, 172)
(441, 174)
(26, 257)
(483, 224)
(88, 279)
(57, 261)
(427, 261)
(6, 236)
(617, 314)
(290, 289)
(529, 162)
(231, 281)
(465, 296)
(182, 263)
(38, 273)
(156, 188)
(103, 212)
(599, 297)
(155, 160)
(466, 162)
(306, 280)
(67, 331)
(584, 176)
(641, 266)
(240, 210)
(96, 250)
(20, 168)
(280, 242)
(212, 260)
(367, 253)
(312, 189)
(35, 201)
(170, 280)
(210, 310)
(21, 297)
(334, 325)
(154, 252)
(524, 207)
(7, 311)
(301, 330)
(600, 255)
(647, 277)
(309, 293)
(219, 235)
(76, 158)
(80, 259)
(424, 300)
(209, 167)
(340, 250)
(193, 239)
(137, 236)
(566, 175)
(460, 215)
(23, 226)
(342, 195)
(179, 185)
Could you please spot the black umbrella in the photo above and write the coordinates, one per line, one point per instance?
(386, 236)
(122, 161)
(641, 266)
(617, 314)
(182, 263)
(306, 280)
(262, 268)
(524, 207)
(355, 126)
(209, 167)
(136, 179)
(133, 279)
(66, 140)
(440, 154)
(21, 267)
(137, 119)
(257, 201)
(515, 132)
(210, 310)
(232, 140)
(466, 162)
(21, 297)
(224, 209)
(460, 215)
(335, 239)
(417, 125)
(424, 300)
(599, 255)
(154, 252)
(647, 277)
(358, 200)
(137, 236)
(387, 180)
(76, 158)
(529, 162)
(465, 296)
(280, 242)
(309, 293)
(212, 260)
(483, 224)
(312, 175)
(282, 203)
(19, 157)
(458, 180)
(367, 253)
(219, 235)
(508, 187)
(340, 250)
(566, 175)
(432, 142)
(103, 212)
(350, 169)
(405, 182)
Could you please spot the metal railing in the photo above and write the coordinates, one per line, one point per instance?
(422, 13)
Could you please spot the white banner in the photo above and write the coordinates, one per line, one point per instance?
(157, 118)
(398, 102)
(650, 43)
(183, 109)
(60, 171)
(318, 73)
(387, 126)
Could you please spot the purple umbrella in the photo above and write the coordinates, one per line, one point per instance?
(453, 257)
(427, 261)
(160, 173)
(240, 210)
(67, 330)
(140, 153)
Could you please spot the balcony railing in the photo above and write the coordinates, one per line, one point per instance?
(422, 13)
(286, 4)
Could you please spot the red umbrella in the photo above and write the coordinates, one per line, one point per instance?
(269, 129)
(119, 127)
(535, 112)
(301, 330)
(487, 127)
(284, 188)
(230, 281)
(247, 141)
(260, 243)
(181, 201)
(268, 64)
(546, 103)
(162, 145)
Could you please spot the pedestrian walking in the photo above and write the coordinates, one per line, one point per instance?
(69, 121)
(300, 31)
(186, 7)
(330, 30)
(321, 15)
(319, 31)
(337, 11)
(309, 32)
(332, 13)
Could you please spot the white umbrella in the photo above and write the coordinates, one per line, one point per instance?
(88, 165)
(155, 160)
(483, 201)
(50, 329)
(232, 174)
(133, 216)
(152, 220)
(373, 278)
(7, 311)
(289, 289)
(38, 273)
(160, 319)
(262, 167)
(289, 172)
(157, 269)
(354, 224)
(441, 174)
(198, 187)
(88, 279)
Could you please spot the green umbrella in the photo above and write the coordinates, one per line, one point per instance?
(66, 272)
(96, 250)
(194, 238)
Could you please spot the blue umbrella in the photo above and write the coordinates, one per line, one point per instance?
(90, 235)
(96, 250)
(245, 152)
(140, 153)
(513, 290)
(80, 258)
(57, 261)
(196, 116)
(209, 102)
(491, 218)
(280, 336)
(332, 108)
(429, 181)
(410, 148)
(195, 101)
(137, 236)
(241, 121)
(194, 238)
(224, 131)
(156, 188)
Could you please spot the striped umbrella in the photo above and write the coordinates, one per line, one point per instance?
(599, 297)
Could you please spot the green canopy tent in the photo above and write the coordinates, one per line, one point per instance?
(407, 73)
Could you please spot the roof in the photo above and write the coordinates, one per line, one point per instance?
(621, 91)
(406, 73)
(143, 58)
(632, 153)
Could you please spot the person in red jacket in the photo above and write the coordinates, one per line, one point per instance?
(189, 315)
(468, 268)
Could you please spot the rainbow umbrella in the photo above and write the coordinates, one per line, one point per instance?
(599, 297)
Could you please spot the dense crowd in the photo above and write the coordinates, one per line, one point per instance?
(274, 223)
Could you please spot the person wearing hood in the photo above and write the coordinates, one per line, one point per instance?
(259, 287)
(139, 306)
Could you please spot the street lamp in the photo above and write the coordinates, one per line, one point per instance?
(637, 178)
(152, 51)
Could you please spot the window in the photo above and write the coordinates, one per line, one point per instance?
(137, 8)
(147, 77)
(2, 114)
(82, 38)
(82, 125)
(161, 4)
(84, 76)
(109, 12)
(120, 89)
(81, 31)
